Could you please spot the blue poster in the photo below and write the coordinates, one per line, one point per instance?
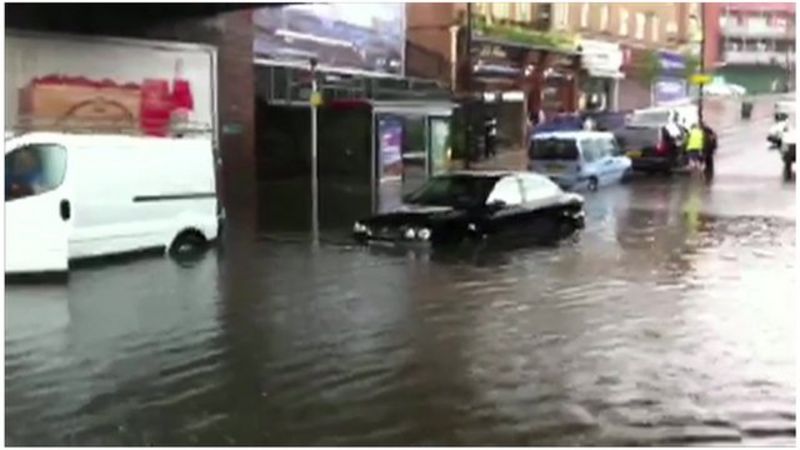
(669, 90)
(390, 138)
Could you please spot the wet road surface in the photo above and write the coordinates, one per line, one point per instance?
(670, 320)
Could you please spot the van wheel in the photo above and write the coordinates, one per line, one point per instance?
(187, 243)
(592, 186)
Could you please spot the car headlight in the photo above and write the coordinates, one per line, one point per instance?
(410, 233)
(359, 227)
(424, 234)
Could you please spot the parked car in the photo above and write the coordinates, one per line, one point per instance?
(724, 90)
(74, 196)
(473, 206)
(655, 139)
(578, 159)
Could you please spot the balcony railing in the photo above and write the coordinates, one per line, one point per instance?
(759, 57)
(737, 30)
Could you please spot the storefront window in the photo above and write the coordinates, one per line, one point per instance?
(34, 169)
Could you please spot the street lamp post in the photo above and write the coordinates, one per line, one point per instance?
(314, 156)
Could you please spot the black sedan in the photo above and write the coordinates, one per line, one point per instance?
(473, 206)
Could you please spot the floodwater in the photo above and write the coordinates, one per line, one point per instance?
(669, 320)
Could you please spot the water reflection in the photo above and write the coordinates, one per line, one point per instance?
(660, 323)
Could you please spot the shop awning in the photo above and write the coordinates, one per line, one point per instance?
(605, 73)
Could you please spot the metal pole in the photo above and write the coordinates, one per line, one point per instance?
(702, 58)
(468, 85)
(314, 158)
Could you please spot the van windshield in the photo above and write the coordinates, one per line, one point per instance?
(34, 169)
(554, 148)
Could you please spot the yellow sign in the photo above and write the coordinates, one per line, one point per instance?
(316, 99)
(701, 78)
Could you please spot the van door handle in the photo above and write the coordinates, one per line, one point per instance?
(65, 210)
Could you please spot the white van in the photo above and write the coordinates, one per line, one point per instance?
(72, 196)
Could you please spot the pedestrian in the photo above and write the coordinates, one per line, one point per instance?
(694, 147)
(709, 150)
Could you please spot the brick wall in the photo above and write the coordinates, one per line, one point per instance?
(230, 31)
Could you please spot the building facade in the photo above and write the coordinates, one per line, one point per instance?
(751, 44)
(648, 43)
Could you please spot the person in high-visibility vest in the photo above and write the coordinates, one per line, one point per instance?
(694, 146)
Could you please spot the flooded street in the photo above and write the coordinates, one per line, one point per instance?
(669, 320)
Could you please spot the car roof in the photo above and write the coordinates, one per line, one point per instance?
(573, 134)
(491, 173)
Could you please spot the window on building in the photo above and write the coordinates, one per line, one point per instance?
(585, 15)
(604, 18)
(640, 24)
(561, 15)
(655, 24)
(501, 10)
(524, 12)
(672, 28)
(624, 17)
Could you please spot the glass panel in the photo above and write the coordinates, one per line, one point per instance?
(537, 188)
(390, 139)
(456, 190)
(439, 144)
(554, 149)
(507, 190)
(34, 169)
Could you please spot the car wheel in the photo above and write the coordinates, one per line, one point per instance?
(188, 243)
(593, 184)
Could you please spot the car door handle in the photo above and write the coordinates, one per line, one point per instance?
(65, 210)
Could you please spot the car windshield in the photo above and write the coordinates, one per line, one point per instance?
(554, 149)
(459, 191)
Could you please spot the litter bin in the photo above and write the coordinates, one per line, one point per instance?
(747, 109)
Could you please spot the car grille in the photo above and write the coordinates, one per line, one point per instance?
(386, 233)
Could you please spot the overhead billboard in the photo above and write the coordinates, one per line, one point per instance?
(364, 37)
(67, 82)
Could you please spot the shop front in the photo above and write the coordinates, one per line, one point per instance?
(601, 62)
(518, 83)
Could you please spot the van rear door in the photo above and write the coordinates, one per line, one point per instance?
(554, 156)
(38, 208)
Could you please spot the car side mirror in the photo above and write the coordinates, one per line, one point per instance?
(496, 205)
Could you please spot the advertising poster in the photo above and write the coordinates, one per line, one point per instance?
(669, 90)
(391, 143)
(60, 83)
(440, 140)
(368, 37)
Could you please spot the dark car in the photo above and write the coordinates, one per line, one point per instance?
(653, 141)
(473, 206)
